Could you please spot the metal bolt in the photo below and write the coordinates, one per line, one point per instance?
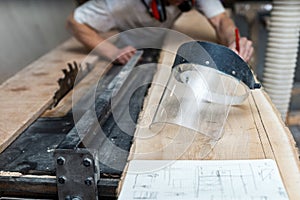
(87, 162)
(62, 179)
(88, 181)
(68, 198)
(67, 123)
(61, 160)
(257, 85)
(72, 198)
(76, 198)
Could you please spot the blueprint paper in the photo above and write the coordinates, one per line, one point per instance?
(205, 180)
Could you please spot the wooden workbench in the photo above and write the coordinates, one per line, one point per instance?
(253, 130)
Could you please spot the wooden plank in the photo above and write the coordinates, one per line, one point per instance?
(282, 143)
(25, 96)
(253, 130)
(195, 25)
(240, 140)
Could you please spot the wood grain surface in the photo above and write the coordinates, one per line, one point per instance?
(253, 130)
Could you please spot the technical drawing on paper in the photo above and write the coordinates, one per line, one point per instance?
(212, 180)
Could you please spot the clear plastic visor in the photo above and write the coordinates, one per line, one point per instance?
(199, 98)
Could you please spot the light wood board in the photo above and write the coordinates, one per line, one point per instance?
(195, 25)
(25, 96)
(253, 130)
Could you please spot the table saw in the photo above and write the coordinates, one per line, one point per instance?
(31, 157)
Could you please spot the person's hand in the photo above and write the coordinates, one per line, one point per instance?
(246, 48)
(123, 55)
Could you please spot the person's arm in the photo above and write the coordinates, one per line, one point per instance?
(225, 27)
(91, 38)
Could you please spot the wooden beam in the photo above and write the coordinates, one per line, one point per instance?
(281, 142)
(195, 25)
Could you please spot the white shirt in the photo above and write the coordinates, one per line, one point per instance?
(104, 15)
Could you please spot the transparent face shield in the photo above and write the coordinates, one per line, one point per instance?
(201, 88)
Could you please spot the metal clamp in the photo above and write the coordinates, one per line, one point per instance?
(77, 174)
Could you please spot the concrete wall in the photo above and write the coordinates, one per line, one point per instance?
(29, 29)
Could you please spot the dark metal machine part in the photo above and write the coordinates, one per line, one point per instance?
(218, 57)
(75, 180)
(32, 152)
(72, 76)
